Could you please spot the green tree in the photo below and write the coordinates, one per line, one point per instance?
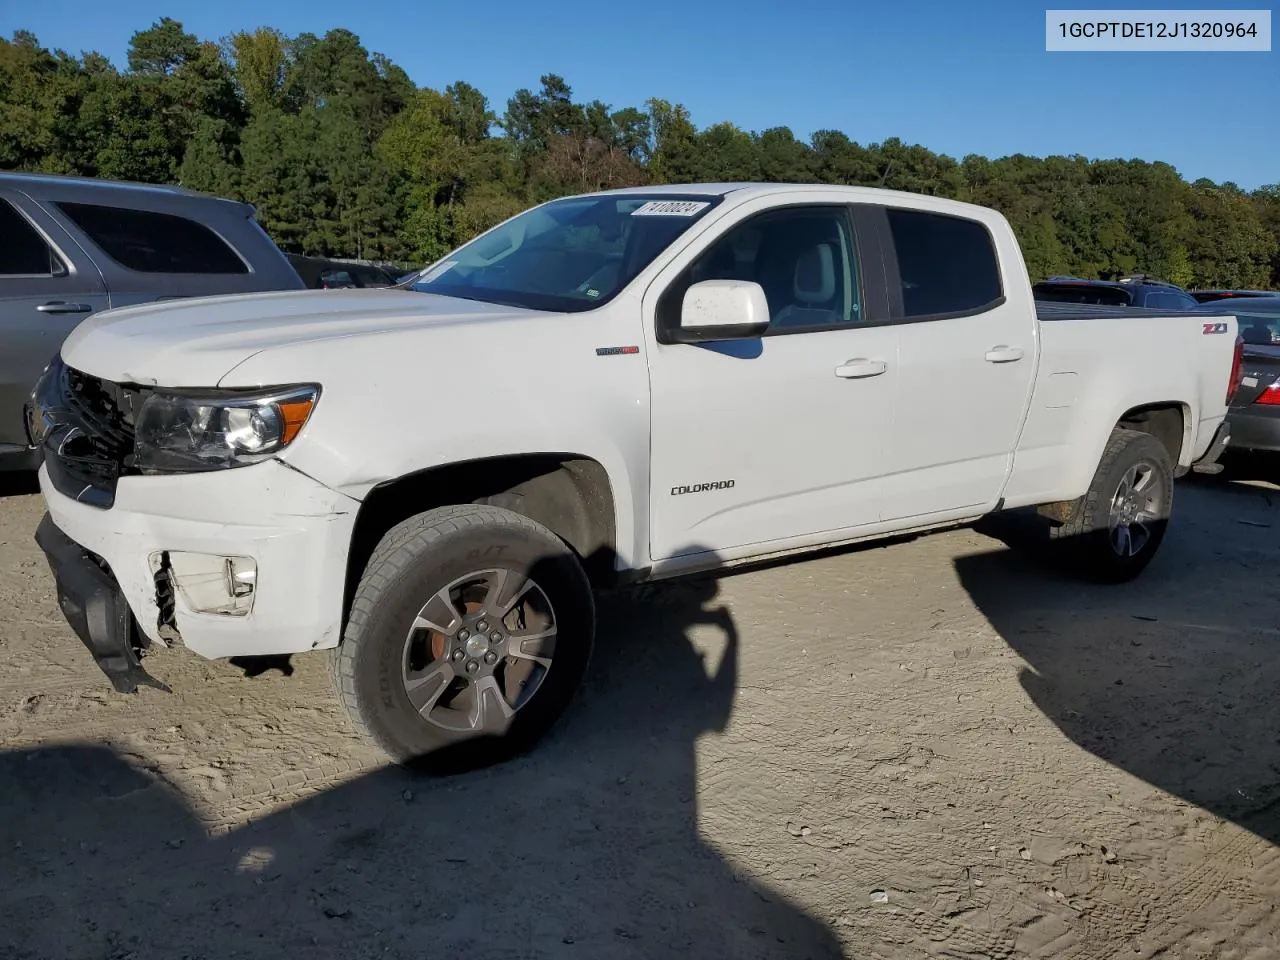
(837, 159)
(1266, 201)
(161, 49)
(533, 119)
(209, 164)
(342, 154)
(673, 153)
(1230, 246)
(783, 158)
(260, 62)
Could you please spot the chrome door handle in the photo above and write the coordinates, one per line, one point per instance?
(59, 306)
(861, 367)
(1004, 354)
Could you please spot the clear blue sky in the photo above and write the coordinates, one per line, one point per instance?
(956, 78)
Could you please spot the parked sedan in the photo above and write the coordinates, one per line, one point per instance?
(1254, 416)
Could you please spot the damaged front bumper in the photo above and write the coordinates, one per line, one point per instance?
(243, 562)
(96, 609)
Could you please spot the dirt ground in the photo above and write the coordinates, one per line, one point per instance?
(932, 749)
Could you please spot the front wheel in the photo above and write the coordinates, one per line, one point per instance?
(469, 633)
(1114, 530)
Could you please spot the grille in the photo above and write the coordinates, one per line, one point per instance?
(89, 433)
(103, 409)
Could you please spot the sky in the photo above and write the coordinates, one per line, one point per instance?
(957, 78)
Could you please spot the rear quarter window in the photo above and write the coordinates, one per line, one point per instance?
(947, 264)
(152, 242)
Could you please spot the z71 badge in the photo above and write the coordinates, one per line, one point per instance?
(1215, 328)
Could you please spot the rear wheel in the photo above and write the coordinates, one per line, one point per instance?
(470, 631)
(1114, 530)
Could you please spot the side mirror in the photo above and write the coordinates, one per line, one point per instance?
(722, 310)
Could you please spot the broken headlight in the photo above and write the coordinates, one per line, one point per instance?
(181, 432)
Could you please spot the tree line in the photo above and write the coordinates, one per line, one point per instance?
(343, 155)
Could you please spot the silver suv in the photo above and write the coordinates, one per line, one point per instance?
(71, 246)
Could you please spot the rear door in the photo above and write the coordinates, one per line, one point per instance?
(966, 360)
(47, 286)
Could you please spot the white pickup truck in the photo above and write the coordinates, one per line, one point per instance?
(429, 480)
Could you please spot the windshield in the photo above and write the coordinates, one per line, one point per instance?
(568, 255)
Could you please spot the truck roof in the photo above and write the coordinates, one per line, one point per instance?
(748, 189)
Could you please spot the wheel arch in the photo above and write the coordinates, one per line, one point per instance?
(1169, 422)
(568, 493)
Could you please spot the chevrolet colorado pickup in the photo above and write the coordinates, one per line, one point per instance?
(429, 480)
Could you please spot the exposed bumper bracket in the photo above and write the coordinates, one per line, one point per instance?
(96, 609)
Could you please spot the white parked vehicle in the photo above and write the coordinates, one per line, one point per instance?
(429, 480)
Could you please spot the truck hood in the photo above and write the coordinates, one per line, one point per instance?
(195, 342)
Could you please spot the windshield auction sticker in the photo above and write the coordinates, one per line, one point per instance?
(1152, 31)
(670, 208)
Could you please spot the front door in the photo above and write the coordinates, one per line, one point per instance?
(47, 286)
(758, 441)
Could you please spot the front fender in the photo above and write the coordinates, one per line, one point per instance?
(395, 406)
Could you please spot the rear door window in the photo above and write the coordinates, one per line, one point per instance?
(947, 264)
(151, 242)
(23, 252)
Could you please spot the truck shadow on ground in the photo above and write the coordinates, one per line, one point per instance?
(1174, 677)
(587, 847)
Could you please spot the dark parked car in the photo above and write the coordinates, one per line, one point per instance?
(1137, 291)
(1209, 296)
(1255, 413)
(71, 246)
(323, 274)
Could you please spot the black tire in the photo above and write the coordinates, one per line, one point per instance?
(1088, 544)
(480, 549)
